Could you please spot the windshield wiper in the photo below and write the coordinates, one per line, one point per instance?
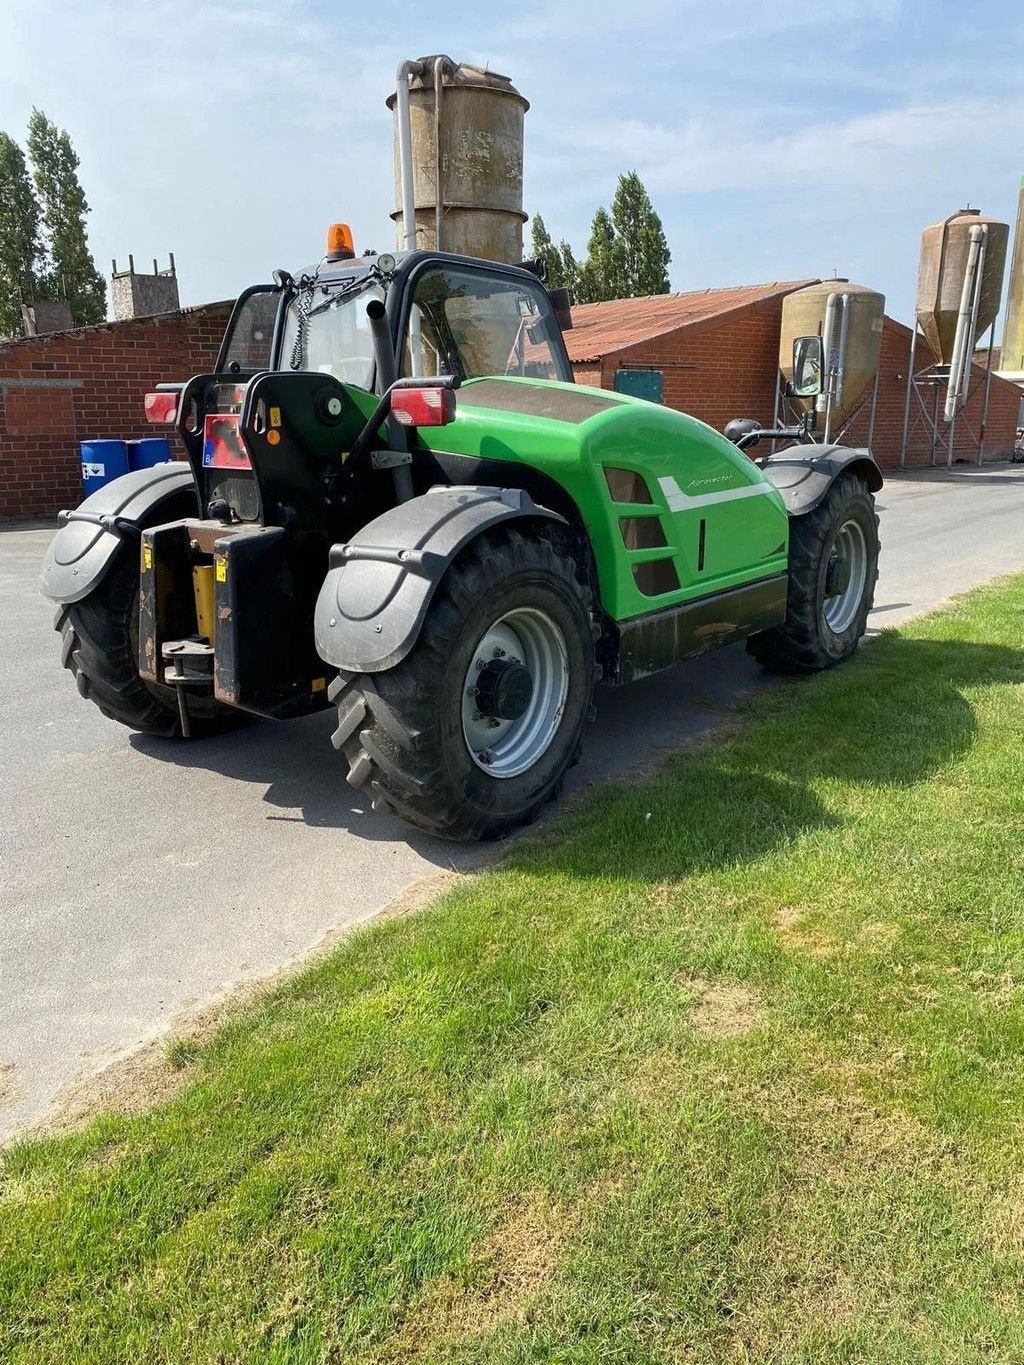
(335, 298)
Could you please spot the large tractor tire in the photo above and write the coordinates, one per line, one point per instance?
(833, 567)
(472, 732)
(99, 647)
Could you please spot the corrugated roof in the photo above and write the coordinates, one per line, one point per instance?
(599, 329)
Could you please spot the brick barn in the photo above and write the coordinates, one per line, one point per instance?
(66, 387)
(714, 353)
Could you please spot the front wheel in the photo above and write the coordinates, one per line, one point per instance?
(833, 567)
(473, 731)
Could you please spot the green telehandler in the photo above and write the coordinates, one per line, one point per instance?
(397, 504)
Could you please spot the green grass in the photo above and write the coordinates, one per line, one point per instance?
(726, 1067)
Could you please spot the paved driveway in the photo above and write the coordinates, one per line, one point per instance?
(141, 879)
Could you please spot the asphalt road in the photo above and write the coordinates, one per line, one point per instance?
(140, 880)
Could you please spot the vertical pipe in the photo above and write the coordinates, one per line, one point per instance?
(844, 332)
(824, 402)
(405, 70)
(988, 387)
(968, 307)
(440, 63)
(906, 403)
(935, 422)
(874, 404)
(387, 373)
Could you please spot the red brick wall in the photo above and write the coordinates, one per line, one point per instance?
(713, 371)
(68, 387)
(716, 371)
(1001, 426)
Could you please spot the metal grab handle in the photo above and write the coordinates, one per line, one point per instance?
(117, 526)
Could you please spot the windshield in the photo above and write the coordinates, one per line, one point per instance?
(465, 321)
(336, 338)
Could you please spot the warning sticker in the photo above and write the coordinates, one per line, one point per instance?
(275, 417)
(220, 569)
(93, 471)
(147, 555)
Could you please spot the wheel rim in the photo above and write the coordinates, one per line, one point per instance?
(849, 551)
(509, 719)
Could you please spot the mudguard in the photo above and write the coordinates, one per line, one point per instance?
(377, 591)
(804, 474)
(81, 552)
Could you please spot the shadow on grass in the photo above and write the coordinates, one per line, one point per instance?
(893, 717)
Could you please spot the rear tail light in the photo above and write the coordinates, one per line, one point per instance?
(161, 408)
(425, 407)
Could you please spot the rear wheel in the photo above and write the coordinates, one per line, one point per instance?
(99, 647)
(833, 566)
(473, 731)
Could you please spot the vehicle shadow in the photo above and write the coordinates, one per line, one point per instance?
(894, 716)
(305, 781)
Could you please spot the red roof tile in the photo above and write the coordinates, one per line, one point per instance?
(600, 329)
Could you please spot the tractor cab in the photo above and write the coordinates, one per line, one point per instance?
(447, 315)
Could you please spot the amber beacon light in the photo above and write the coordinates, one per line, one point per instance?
(339, 242)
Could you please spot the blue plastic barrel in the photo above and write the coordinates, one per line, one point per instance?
(148, 451)
(101, 462)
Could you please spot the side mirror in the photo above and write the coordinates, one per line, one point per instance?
(808, 358)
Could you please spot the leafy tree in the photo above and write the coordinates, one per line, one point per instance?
(72, 272)
(603, 275)
(570, 270)
(643, 249)
(562, 268)
(627, 254)
(542, 248)
(20, 247)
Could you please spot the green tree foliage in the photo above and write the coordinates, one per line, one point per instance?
(20, 247)
(627, 254)
(542, 248)
(570, 273)
(602, 275)
(561, 263)
(642, 246)
(72, 272)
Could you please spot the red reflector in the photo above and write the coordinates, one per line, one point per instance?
(426, 407)
(161, 407)
(222, 443)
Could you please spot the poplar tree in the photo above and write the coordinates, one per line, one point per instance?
(603, 274)
(562, 270)
(627, 254)
(71, 271)
(20, 245)
(643, 249)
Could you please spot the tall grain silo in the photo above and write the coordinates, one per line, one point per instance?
(959, 285)
(458, 159)
(849, 319)
(1012, 354)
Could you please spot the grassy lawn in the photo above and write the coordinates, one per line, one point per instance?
(727, 1067)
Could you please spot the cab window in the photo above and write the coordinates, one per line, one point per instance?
(466, 323)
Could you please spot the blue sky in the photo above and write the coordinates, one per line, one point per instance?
(777, 140)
